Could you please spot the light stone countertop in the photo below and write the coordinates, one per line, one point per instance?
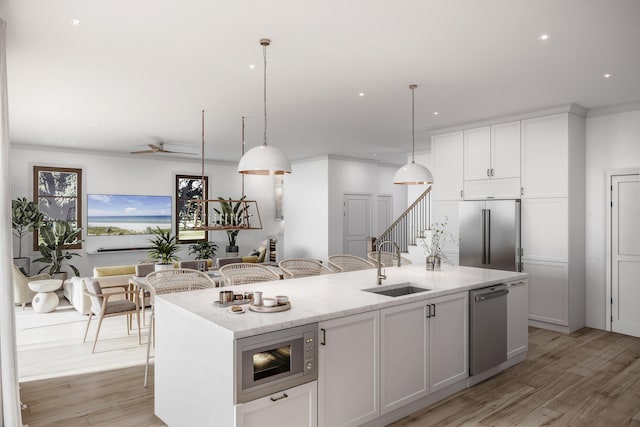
(319, 298)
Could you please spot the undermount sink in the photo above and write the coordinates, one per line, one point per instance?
(397, 290)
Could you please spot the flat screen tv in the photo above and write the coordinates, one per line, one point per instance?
(121, 215)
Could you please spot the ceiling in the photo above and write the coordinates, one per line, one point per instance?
(140, 72)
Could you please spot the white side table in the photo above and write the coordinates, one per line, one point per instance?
(46, 299)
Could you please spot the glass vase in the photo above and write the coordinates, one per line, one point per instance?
(433, 263)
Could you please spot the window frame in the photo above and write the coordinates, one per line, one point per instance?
(78, 198)
(177, 204)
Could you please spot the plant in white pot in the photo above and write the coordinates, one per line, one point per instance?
(25, 219)
(57, 239)
(433, 243)
(164, 249)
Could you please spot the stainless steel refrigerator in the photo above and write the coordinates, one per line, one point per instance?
(490, 234)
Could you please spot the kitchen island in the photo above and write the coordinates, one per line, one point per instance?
(379, 357)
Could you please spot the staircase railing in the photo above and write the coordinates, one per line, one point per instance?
(404, 230)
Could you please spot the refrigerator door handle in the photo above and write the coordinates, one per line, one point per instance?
(487, 236)
(484, 236)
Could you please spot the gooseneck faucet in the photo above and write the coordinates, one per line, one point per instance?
(381, 275)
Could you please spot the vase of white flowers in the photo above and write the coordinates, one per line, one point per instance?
(434, 242)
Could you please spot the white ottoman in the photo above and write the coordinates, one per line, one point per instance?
(46, 299)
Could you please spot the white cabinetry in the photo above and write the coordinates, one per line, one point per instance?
(295, 407)
(492, 161)
(447, 166)
(553, 218)
(517, 326)
(545, 156)
(449, 340)
(424, 348)
(349, 366)
(404, 354)
(548, 291)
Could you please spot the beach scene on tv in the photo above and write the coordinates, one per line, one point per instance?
(121, 215)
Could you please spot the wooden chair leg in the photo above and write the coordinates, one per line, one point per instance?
(93, 350)
(84, 339)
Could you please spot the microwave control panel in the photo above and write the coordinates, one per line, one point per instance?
(309, 341)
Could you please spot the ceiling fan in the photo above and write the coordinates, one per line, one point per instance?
(159, 148)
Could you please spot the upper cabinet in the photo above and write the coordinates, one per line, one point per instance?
(545, 156)
(447, 170)
(492, 161)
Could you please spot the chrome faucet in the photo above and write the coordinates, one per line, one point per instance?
(381, 275)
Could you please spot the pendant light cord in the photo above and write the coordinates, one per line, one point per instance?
(413, 124)
(264, 55)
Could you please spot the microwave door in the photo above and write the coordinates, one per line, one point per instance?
(472, 230)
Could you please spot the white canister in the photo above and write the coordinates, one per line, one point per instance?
(257, 298)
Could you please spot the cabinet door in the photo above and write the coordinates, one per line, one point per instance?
(295, 407)
(447, 166)
(505, 150)
(349, 367)
(517, 318)
(448, 340)
(404, 353)
(545, 229)
(545, 156)
(548, 291)
(477, 153)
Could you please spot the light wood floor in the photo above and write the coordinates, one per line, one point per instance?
(588, 378)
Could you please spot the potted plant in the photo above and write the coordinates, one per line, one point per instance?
(57, 238)
(164, 248)
(25, 218)
(203, 249)
(231, 214)
(433, 245)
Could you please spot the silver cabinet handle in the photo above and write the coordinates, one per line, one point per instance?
(284, 396)
(428, 311)
(488, 173)
(492, 172)
(516, 284)
(434, 310)
(324, 336)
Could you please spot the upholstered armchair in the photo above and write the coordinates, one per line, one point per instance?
(21, 292)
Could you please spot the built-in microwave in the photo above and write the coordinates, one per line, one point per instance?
(272, 362)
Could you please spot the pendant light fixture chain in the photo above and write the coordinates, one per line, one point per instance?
(265, 43)
(413, 122)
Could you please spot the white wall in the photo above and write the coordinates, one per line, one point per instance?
(352, 176)
(124, 174)
(612, 141)
(306, 195)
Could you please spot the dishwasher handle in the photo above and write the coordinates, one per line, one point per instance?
(491, 295)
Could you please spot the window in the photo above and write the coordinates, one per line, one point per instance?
(58, 193)
(189, 187)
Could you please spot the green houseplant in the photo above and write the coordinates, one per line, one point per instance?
(25, 219)
(57, 238)
(231, 214)
(203, 249)
(164, 247)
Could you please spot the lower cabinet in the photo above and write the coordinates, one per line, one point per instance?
(517, 318)
(348, 370)
(548, 291)
(424, 348)
(294, 407)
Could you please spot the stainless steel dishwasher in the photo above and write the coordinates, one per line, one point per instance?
(487, 328)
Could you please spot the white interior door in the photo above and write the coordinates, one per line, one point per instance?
(625, 254)
(385, 213)
(357, 223)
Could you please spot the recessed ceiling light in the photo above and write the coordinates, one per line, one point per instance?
(76, 21)
(607, 75)
(360, 94)
(435, 113)
(252, 66)
(544, 37)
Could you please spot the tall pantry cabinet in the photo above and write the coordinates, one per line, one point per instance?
(553, 219)
(539, 158)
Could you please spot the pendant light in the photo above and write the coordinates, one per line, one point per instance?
(413, 173)
(264, 159)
